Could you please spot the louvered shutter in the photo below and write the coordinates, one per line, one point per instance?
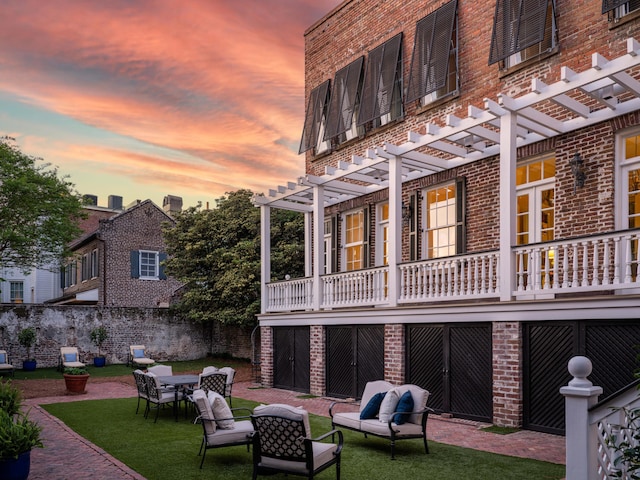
(414, 203)
(162, 257)
(366, 238)
(517, 24)
(313, 117)
(345, 92)
(608, 5)
(430, 58)
(381, 74)
(461, 210)
(335, 221)
(134, 255)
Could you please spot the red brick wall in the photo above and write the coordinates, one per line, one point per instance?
(507, 374)
(266, 356)
(317, 359)
(394, 353)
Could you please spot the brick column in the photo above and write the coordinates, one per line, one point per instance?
(507, 374)
(317, 359)
(266, 356)
(394, 353)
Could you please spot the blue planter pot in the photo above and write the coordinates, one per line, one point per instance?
(16, 469)
(99, 361)
(29, 365)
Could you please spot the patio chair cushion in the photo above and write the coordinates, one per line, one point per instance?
(286, 411)
(220, 410)
(388, 405)
(161, 370)
(138, 353)
(3, 357)
(419, 396)
(382, 429)
(371, 388)
(372, 407)
(230, 373)
(204, 407)
(238, 434)
(70, 357)
(210, 369)
(322, 453)
(405, 404)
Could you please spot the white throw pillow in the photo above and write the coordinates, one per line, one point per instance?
(388, 405)
(220, 410)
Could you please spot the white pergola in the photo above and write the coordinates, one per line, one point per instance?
(606, 90)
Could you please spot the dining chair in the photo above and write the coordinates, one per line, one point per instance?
(231, 373)
(141, 385)
(158, 396)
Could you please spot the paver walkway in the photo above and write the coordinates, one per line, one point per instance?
(69, 456)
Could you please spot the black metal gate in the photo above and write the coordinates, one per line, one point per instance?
(291, 358)
(612, 346)
(454, 363)
(355, 356)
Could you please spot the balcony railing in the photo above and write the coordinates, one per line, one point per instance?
(595, 263)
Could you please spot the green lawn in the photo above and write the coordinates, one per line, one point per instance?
(168, 449)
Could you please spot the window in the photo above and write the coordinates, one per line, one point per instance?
(94, 264)
(147, 265)
(616, 9)
(354, 240)
(315, 120)
(441, 221)
(382, 93)
(434, 63)
(85, 267)
(382, 235)
(522, 29)
(328, 246)
(345, 98)
(628, 194)
(16, 292)
(70, 274)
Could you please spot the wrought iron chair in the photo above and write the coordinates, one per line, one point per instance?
(231, 373)
(141, 385)
(5, 365)
(282, 443)
(158, 396)
(138, 356)
(69, 358)
(237, 432)
(216, 382)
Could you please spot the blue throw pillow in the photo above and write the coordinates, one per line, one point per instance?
(138, 353)
(69, 357)
(404, 405)
(3, 358)
(371, 408)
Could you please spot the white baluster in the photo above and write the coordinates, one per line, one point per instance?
(585, 265)
(565, 266)
(607, 262)
(616, 260)
(596, 263)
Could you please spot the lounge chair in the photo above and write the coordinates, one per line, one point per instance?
(69, 358)
(5, 365)
(138, 357)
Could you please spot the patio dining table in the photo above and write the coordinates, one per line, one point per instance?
(180, 383)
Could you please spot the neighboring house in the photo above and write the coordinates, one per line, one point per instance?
(472, 189)
(120, 262)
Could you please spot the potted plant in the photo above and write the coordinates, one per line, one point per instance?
(75, 379)
(98, 336)
(27, 338)
(18, 435)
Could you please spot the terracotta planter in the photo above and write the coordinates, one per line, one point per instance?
(76, 383)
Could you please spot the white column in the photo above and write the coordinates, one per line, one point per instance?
(308, 244)
(581, 440)
(318, 244)
(265, 255)
(508, 157)
(395, 228)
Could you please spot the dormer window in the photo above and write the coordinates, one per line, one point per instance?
(616, 9)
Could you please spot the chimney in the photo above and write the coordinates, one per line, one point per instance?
(91, 200)
(172, 204)
(115, 202)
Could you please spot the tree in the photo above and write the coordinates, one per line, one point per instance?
(216, 254)
(39, 211)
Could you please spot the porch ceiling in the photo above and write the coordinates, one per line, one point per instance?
(606, 90)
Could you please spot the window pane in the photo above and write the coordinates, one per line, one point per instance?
(441, 221)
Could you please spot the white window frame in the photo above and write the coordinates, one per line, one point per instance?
(346, 246)
(450, 225)
(623, 10)
(144, 266)
(328, 237)
(382, 234)
(12, 297)
(93, 269)
(621, 176)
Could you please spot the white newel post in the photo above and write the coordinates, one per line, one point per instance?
(581, 438)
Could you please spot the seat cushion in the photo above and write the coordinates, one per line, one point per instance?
(143, 361)
(220, 410)
(371, 409)
(347, 419)
(239, 433)
(379, 428)
(322, 454)
(73, 364)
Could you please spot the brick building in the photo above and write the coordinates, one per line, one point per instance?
(119, 262)
(472, 188)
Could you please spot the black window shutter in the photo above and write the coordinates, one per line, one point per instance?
(430, 58)
(414, 206)
(461, 209)
(517, 24)
(344, 96)
(608, 5)
(379, 80)
(161, 258)
(366, 238)
(135, 263)
(334, 243)
(63, 270)
(313, 117)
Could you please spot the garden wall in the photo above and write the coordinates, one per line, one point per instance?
(165, 336)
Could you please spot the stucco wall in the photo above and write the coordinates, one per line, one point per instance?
(166, 337)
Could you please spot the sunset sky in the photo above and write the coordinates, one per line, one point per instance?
(145, 98)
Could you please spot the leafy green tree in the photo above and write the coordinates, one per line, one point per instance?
(216, 254)
(39, 211)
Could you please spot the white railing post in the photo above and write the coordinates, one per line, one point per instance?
(581, 438)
